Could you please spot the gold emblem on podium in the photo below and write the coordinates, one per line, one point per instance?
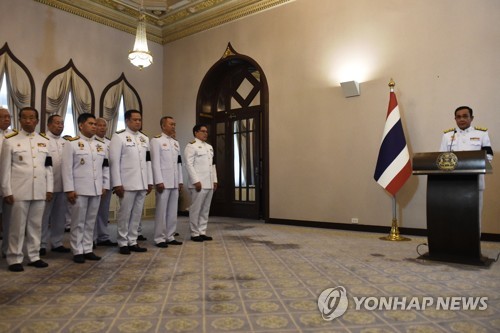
(447, 161)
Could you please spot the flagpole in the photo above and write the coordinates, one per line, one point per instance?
(394, 234)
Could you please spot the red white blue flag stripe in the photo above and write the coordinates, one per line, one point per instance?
(393, 163)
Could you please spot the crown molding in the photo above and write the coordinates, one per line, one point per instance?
(164, 26)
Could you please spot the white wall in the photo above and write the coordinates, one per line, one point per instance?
(324, 147)
(46, 38)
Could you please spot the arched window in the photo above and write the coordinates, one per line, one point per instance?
(17, 87)
(63, 86)
(116, 98)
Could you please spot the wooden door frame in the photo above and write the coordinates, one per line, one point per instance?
(206, 104)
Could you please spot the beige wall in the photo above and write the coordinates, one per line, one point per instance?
(441, 54)
(45, 39)
(324, 147)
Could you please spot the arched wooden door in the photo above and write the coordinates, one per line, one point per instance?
(232, 101)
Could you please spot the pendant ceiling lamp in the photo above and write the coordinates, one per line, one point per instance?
(140, 56)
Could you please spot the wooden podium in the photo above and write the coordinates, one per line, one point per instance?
(453, 211)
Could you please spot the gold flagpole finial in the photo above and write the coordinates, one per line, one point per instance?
(392, 83)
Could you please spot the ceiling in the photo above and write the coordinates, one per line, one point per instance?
(167, 20)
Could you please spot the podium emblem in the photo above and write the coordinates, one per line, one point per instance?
(447, 161)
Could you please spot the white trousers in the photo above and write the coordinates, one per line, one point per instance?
(166, 215)
(83, 215)
(6, 210)
(198, 211)
(25, 219)
(129, 217)
(54, 220)
(101, 233)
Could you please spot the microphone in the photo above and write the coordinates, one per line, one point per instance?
(452, 138)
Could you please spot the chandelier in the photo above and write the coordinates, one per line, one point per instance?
(140, 56)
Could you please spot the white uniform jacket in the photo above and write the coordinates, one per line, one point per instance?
(472, 138)
(2, 136)
(199, 161)
(166, 161)
(130, 160)
(26, 166)
(85, 167)
(56, 145)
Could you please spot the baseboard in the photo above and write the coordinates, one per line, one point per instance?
(367, 228)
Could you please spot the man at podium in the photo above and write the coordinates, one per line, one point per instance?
(467, 138)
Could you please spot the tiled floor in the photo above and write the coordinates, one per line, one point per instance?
(253, 277)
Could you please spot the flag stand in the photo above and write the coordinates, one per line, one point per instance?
(394, 234)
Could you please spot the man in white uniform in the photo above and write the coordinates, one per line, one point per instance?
(4, 226)
(467, 138)
(131, 177)
(101, 234)
(85, 172)
(167, 175)
(200, 165)
(27, 183)
(53, 217)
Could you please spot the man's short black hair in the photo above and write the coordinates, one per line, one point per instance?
(84, 116)
(464, 108)
(198, 127)
(28, 108)
(129, 113)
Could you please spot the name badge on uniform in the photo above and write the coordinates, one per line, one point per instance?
(82, 161)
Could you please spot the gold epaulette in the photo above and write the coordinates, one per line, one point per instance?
(449, 130)
(10, 135)
(118, 132)
(43, 135)
(66, 137)
(157, 136)
(484, 129)
(74, 138)
(192, 142)
(99, 139)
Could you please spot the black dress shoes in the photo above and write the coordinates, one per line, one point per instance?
(162, 245)
(197, 239)
(16, 268)
(91, 256)
(206, 238)
(38, 264)
(124, 250)
(141, 238)
(61, 249)
(137, 248)
(79, 258)
(176, 234)
(174, 242)
(107, 242)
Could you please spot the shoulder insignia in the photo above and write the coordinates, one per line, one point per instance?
(100, 140)
(142, 133)
(118, 132)
(66, 137)
(107, 138)
(449, 130)
(192, 142)
(43, 135)
(74, 139)
(10, 135)
(157, 136)
(484, 129)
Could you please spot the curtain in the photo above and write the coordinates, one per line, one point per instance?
(111, 103)
(58, 94)
(18, 86)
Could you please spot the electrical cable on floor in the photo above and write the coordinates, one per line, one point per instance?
(419, 246)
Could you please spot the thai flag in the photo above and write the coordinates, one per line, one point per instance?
(393, 163)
